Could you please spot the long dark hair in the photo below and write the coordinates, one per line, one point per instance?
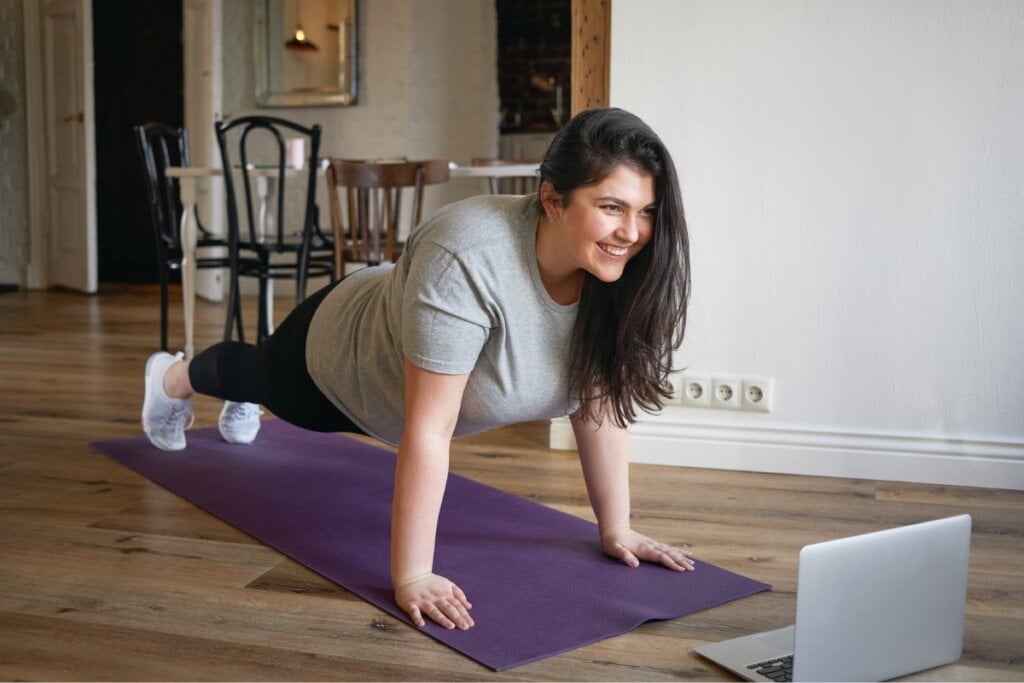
(626, 330)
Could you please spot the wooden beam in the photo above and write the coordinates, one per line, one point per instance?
(591, 42)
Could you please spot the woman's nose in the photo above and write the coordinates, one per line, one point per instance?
(629, 231)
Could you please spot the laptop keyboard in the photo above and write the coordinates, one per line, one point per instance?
(779, 669)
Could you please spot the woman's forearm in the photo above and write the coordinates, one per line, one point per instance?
(432, 403)
(420, 478)
(604, 457)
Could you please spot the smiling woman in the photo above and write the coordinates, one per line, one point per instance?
(501, 309)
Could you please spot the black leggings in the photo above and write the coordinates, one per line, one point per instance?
(273, 374)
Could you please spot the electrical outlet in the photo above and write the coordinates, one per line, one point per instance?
(694, 392)
(757, 395)
(752, 394)
(726, 393)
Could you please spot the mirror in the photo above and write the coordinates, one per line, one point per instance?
(305, 53)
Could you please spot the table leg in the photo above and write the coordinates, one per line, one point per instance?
(265, 229)
(187, 190)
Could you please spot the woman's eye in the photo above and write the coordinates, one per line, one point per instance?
(612, 207)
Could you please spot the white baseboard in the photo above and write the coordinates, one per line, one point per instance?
(927, 459)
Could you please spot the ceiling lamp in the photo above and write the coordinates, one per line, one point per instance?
(299, 42)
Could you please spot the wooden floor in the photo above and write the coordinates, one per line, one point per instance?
(104, 575)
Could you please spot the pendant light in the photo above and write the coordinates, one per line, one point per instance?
(299, 42)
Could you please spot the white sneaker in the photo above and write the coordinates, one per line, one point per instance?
(239, 422)
(164, 418)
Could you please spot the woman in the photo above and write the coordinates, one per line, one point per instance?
(500, 310)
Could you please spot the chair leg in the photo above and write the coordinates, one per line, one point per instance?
(163, 306)
(234, 314)
(238, 316)
(263, 324)
(300, 277)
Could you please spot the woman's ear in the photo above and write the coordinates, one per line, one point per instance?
(550, 200)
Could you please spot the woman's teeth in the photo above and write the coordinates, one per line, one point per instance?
(614, 251)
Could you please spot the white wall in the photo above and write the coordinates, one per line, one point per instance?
(854, 185)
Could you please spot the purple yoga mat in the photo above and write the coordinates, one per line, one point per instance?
(538, 580)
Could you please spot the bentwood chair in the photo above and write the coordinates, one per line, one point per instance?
(366, 206)
(502, 181)
(161, 146)
(273, 227)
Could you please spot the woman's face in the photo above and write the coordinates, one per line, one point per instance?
(605, 225)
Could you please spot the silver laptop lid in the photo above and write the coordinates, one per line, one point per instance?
(884, 604)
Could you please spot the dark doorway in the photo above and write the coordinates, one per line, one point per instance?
(138, 78)
(534, 64)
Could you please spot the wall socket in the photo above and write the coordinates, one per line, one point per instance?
(725, 392)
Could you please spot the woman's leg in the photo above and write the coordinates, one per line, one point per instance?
(273, 374)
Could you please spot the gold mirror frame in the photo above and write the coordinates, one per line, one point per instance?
(317, 71)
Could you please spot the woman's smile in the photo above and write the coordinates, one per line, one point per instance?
(616, 252)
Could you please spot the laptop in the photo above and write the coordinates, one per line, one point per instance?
(868, 608)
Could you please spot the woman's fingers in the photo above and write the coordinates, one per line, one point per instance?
(623, 553)
(436, 598)
(450, 614)
(457, 592)
(673, 558)
(631, 547)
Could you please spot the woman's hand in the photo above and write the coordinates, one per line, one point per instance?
(435, 597)
(631, 547)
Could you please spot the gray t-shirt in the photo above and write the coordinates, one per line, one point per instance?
(465, 297)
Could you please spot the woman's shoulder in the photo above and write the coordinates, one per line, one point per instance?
(478, 222)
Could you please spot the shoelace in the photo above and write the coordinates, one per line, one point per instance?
(181, 414)
(243, 412)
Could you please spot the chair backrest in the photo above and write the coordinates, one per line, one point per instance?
(161, 146)
(502, 181)
(366, 229)
(254, 148)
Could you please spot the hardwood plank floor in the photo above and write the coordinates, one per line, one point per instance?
(105, 576)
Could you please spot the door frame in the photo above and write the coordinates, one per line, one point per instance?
(37, 274)
(590, 61)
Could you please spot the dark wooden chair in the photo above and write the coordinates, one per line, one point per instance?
(270, 237)
(366, 206)
(161, 146)
(508, 184)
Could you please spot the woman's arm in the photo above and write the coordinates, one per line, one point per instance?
(432, 403)
(604, 456)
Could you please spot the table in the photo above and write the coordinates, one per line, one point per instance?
(494, 172)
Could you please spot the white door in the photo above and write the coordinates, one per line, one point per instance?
(66, 40)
